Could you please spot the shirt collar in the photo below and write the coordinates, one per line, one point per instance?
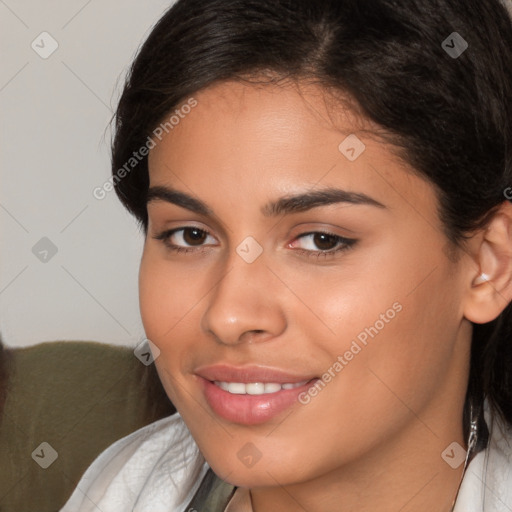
(240, 502)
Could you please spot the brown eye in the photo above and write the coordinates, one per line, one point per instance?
(194, 236)
(322, 244)
(185, 239)
(324, 241)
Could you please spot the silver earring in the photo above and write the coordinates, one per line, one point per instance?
(473, 431)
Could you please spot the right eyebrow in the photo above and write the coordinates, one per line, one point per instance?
(170, 195)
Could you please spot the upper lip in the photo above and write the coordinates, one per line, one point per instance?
(248, 374)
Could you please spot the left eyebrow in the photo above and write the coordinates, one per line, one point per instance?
(284, 205)
(324, 197)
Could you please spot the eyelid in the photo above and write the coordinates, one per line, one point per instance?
(167, 233)
(342, 243)
(161, 209)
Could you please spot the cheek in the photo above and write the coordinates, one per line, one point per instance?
(409, 355)
(391, 325)
(152, 299)
(169, 300)
(164, 306)
(166, 296)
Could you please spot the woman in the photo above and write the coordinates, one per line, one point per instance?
(327, 269)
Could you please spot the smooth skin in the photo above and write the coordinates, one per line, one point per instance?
(372, 439)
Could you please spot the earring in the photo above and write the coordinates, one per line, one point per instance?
(473, 434)
(472, 440)
(482, 278)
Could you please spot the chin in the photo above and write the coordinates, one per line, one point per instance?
(263, 472)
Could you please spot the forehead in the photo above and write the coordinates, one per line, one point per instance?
(251, 142)
(277, 117)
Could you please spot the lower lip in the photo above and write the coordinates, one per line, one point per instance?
(251, 409)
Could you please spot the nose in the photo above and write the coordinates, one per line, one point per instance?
(245, 306)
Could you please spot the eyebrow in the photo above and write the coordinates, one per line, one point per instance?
(284, 205)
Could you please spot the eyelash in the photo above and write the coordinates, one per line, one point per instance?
(346, 243)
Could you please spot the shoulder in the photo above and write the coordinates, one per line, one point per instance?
(487, 484)
(157, 468)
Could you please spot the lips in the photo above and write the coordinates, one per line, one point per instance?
(248, 374)
(251, 395)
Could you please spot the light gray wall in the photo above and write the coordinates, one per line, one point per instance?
(53, 153)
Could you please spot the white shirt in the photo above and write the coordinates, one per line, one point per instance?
(159, 467)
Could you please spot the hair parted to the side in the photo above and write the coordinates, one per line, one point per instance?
(449, 118)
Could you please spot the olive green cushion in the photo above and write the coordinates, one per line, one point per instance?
(79, 397)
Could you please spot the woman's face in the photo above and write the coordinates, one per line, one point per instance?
(298, 287)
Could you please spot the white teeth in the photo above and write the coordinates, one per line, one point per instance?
(237, 388)
(271, 387)
(256, 388)
(223, 385)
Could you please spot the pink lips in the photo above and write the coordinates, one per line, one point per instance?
(244, 408)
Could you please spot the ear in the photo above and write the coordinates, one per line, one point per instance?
(490, 282)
